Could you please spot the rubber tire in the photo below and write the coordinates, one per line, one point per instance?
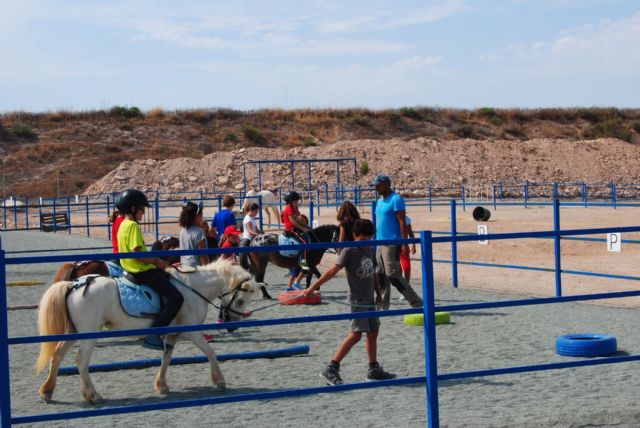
(418, 319)
(586, 345)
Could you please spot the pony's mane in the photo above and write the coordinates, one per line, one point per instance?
(232, 273)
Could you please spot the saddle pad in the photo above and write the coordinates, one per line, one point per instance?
(284, 240)
(114, 269)
(138, 300)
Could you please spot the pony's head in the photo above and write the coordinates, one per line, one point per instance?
(240, 288)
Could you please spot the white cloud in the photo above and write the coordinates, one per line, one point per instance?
(612, 46)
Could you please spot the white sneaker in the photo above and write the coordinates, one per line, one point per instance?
(401, 298)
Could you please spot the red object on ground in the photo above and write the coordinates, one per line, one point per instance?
(287, 298)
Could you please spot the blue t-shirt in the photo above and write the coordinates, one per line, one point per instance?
(223, 219)
(387, 225)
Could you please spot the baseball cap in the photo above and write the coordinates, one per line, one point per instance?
(231, 230)
(380, 178)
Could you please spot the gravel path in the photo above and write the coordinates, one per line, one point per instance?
(591, 396)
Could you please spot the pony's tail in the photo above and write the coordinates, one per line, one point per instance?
(52, 319)
(64, 273)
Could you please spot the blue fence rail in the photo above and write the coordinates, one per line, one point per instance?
(431, 378)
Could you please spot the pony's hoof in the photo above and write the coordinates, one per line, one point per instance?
(46, 397)
(162, 389)
(94, 398)
(267, 296)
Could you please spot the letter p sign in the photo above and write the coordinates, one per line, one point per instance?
(614, 242)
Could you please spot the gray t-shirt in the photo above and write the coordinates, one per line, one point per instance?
(189, 240)
(358, 262)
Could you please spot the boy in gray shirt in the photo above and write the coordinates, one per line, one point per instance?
(358, 263)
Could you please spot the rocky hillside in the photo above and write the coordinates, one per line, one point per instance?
(71, 153)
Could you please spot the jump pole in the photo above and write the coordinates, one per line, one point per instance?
(176, 361)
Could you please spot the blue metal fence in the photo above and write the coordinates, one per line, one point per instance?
(431, 377)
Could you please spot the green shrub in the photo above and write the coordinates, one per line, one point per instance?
(463, 130)
(611, 127)
(364, 168)
(309, 142)
(411, 113)
(361, 120)
(230, 137)
(588, 114)
(24, 131)
(395, 118)
(126, 112)
(491, 115)
(636, 126)
(254, 134)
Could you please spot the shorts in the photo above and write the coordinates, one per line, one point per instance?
(364, 324)
(294, 272)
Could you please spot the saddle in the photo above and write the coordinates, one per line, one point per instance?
(115, 269)
(137, 300)
(288, 240)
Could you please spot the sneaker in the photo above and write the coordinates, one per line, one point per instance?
(331, 374)
(297, 286)
(155, 342)
(207, 337)
(377, 373)
(303, 265)
(402, 298)
(289, 289)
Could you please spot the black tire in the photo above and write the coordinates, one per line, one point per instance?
(586, 345)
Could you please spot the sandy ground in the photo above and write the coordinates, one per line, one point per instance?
(593, 396)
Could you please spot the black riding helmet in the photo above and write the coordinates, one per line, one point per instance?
(291, 196)
(131, 198)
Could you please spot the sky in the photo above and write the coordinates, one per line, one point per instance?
(81, 55)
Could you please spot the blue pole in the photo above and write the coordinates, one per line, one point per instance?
(495, 205)
(69, 213)
(26, 211)
(373, 212)
(259, 176)
(556, 246)
(309, 177)
(108, 223)
(454, 245)
(526, 192)
(15, 213)
(156, 207)
(55, 228)
(318, 200)
(338, 175)
(430, 344)
(430, 199)
(614, 196)
(555, 190)
(464, 202)
(311, 210)
(86, 211)
(293, 177)
(244, 177)
(584, 194)
(261, 216)
(40, 209)
(5, 374)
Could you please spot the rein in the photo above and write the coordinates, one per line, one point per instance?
(235, 292)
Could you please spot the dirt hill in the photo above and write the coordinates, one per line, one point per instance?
(204, 149)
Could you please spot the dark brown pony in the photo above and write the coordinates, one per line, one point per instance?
(71, 271)
(256, 263)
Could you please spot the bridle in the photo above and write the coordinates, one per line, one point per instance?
(226, 308)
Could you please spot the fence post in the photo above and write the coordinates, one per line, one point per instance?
(454, 245)
(584, 194)
(5, 379)
(108, 218)
(311, 210)
(86, 211)
(26, 212)
(495, 204)
(464, 200)
(156, 208)
(430, 344)
(526, 192)
(69, 213)
(15, 213)
(261, 210)
(556, 246)
(430, 199)
(373, 212)
(614, 196)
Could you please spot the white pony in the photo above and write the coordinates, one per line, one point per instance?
(269, 203)
(97, 305)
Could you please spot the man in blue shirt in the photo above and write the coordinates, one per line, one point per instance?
(391, 224)
(224, 217)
